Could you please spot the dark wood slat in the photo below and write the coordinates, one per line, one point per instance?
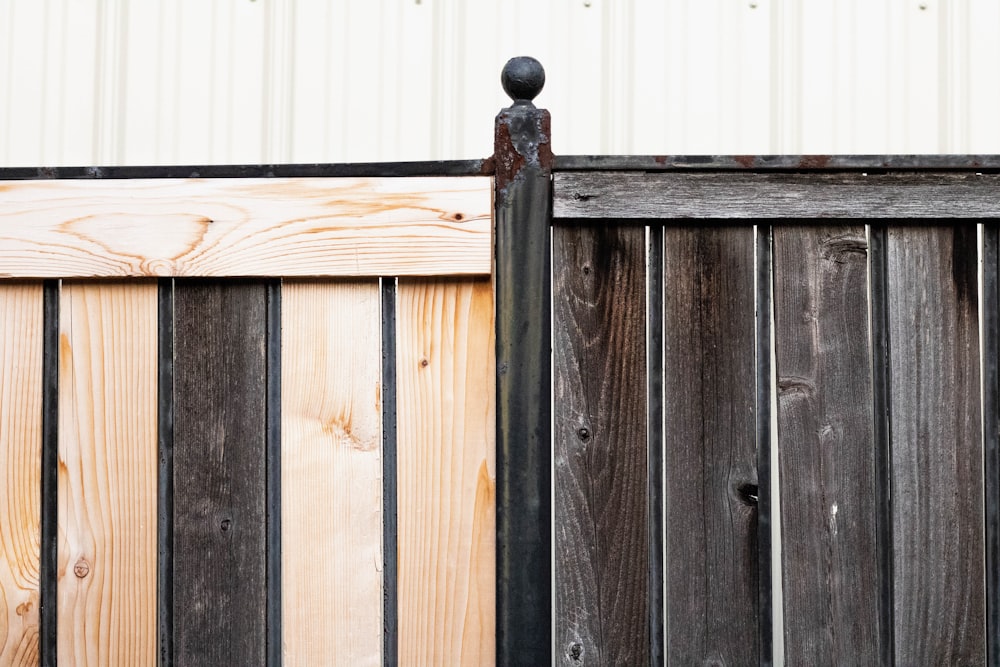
(937, 483)
(659, 196)
(826, 446)
(219, 472)
(600, 446)
(773, 162)
(711, 480)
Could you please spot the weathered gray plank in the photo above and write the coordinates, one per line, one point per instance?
(775, 195)
(763, 162)
(826, 446)
(219, 587)
(710, 454)
(937, 456)
(601, 537)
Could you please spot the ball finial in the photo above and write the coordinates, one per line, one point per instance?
(522, 78)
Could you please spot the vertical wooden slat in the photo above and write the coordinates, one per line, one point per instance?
(937, 483)
(601, 538)
(219, 472)
(107, 473)
(710, 383)
(445, 418)
(826, 446)
(20, 473)
(331, 473)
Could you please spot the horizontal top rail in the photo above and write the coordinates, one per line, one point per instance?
(874, 163)
(241, 227)
(753, 194)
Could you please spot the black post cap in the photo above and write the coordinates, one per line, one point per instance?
(522, 79)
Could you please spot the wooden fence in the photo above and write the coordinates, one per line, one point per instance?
(249, 415)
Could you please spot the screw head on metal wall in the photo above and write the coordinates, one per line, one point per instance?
(522, 79)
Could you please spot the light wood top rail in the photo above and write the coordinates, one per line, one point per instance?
(245, 227)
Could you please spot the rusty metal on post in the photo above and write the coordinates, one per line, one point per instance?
(523, 205)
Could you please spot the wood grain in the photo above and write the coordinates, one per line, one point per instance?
(826, 446)
(601, 536)
(245, 227)
(710, 446)
(937, 456)
(20, 470)
(107, 473)
(659, 196)
(446, 472)
(331, 468)
(219, 586)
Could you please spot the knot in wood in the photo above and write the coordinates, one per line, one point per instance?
(81, 569)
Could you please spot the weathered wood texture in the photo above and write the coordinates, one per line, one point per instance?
(826, 446)
(331, 473)
(245, 227)
(937, 456)
(107, 474)
(219, 589)
(710, 446)
(446, 472)
(20, 470)
(601, 537)
(775, 195)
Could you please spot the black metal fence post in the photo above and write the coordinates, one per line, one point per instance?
(523, 205)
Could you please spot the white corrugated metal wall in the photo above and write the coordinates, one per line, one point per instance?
(246, 81)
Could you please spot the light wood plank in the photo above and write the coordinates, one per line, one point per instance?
(446, 472)
(20, 470)
(601, 539)
(245, 227)
(107, 474)
(826, 446)
(660, 196)
(937, 455)
(331, 473)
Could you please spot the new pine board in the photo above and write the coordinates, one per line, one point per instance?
(107, 473)
(601, 532)
(826, 446)
(446, 472)
(331, 473)
(937, 456)
(20, 470)
(245, 227)
(710, 446)
(219, 587)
